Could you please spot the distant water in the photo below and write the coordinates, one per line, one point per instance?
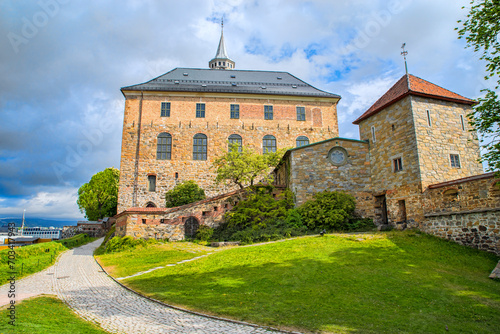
(31, 222)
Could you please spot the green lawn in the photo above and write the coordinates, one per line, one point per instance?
(34, 258)
(154, 255)
(45, 315)
(402, 282)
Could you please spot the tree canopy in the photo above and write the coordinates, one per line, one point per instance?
(481, 30)
(242, 166)
(184, 193)
(99, 197)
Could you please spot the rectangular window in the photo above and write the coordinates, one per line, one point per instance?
(200, 110)
(235, 111)
(165, 109)
(152, 182)
(428, 112)
(462, 122)
(455, 160)
(268, 112)
(398, 164)
(301, 114)
(373, 134)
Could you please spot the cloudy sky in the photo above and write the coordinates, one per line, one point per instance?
(62, 63)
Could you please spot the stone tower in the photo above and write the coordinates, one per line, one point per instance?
(418, 135)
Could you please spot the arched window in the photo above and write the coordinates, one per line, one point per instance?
(302, 140)
(269, 144)
(235, 139)
(199, 147)
(164, 146)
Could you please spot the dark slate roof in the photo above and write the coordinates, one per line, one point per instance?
(230, 81)
(412, 85)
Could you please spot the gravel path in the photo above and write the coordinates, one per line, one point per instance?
(79, 281)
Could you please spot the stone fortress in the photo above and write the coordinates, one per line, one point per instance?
(416, 164)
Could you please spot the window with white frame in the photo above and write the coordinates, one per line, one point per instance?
(455, 160)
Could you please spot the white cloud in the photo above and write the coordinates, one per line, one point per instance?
(51, 204)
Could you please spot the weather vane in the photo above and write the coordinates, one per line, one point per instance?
(404, 53)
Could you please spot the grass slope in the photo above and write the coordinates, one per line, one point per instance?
(43, 315)
(143, 258)
(34, 258)
(386, 283)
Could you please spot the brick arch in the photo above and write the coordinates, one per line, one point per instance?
(150, 205)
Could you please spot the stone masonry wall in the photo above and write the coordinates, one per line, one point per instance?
(444, 136)
(162, 223)
(466, 211)
(182, 125)
(310, 171)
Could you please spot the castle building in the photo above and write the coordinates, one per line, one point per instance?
(176, 124)
(416, 163)
(416, 135)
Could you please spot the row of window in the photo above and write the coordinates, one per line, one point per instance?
(200, 143)
(397, 164)
(234, 111)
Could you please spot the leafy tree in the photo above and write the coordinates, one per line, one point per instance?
(242, 166)
(481, 30)
(99, 197)
(184, 193)
(328, 209)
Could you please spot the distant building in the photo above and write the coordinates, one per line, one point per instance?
(43, 232)
(94, 229)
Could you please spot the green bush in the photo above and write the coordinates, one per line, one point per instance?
(204, 233)
(184, 193)
(260, 209)
(75, 241)
(359, 224)
(120, 244)
(327, 210)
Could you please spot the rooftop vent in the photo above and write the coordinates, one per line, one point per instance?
(185, 74)
(263, 87)
(233, 76)
(279, 78)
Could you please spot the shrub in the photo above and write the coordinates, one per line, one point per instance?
(204, 233)
(184, 193)
(120, 244)
(328, 210)
(260, 209)
(359, 224)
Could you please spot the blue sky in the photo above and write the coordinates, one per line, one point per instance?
(62, 63)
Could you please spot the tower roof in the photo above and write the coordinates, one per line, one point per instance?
(221, 50)
(221, 60)
(412, 85)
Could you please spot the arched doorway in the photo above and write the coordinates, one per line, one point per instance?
(150, 205)
(191, 227)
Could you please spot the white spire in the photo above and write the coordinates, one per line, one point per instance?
(221, 60)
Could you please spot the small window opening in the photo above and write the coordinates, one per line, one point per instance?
(216, 208)
(152, 182)
(373, 134)
(398, 165)
(455, 160)
(176, 176)
(429, 123)
(462, 122)
(144, 221)
(393, 127)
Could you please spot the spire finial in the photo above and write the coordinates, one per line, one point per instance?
(404, 53)
(222, 23)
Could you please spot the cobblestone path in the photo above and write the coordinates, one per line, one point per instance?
(78, 280)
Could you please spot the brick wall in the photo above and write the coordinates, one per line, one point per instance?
(182, 125)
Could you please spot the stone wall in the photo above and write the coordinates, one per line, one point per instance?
(309, 169)
(444, 136)
(182, 125)
(466, 211)
(162, 223)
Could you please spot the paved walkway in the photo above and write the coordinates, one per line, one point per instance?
(79, 281)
